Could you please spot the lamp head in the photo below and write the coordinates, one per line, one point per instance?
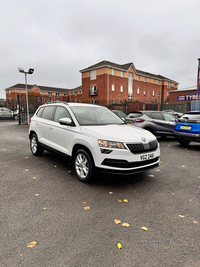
(21, 70)
(30, 71)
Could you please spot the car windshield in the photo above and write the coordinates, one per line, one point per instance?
(95, 115)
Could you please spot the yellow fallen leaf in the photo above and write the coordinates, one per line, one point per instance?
(119, 200)
(84, 202)
(125, 200)
(181, 216)
(34, 178)
(69, 171)
(125, 224)
(117, 221)
(110, 193)
(36, 195)
(20, 255)
(44, 208)
(195, 222)
(26, 170)
(119, 246)
(183, 166)
(144, 228)
(55, 166)
(31, 244)
(86, 208)
(26, 157)
(173, 194)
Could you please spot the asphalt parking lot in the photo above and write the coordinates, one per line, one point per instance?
(73, 224)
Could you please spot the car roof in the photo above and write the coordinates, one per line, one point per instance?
(193, 112)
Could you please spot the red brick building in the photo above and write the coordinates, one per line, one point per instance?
(107, 82)
(104, 83)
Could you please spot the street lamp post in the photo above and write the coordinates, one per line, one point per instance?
(26, 72)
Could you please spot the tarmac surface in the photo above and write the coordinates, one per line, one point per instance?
(43, 221)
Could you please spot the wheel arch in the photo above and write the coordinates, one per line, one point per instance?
(79, 146)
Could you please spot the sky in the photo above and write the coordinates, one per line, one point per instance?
(58, 38)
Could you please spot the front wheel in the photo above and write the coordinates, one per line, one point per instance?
(184, 142)
(83, 165)
(36, 149)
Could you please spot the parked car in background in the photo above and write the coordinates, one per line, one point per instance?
(157, 122)
(7, 113)
(94, 138)
(174, 113)
(120, 113)
(187, 128)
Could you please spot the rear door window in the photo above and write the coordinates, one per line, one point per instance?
(48, 113)
(157, 116)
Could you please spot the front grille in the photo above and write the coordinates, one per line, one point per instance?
(141, 148)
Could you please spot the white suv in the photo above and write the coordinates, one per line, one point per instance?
(94, 138)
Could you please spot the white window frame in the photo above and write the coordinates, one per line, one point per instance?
(154, 81)
(93, 75)
(113, 87)
(122, 74)
(145, 79)
(144, 91)
(158, 93)
(49, 94)
(121, 88)
(57, 94)
(113, 72)
(153, 93)
(138, 91)
(138, 77)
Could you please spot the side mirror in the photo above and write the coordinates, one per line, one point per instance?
(66, 121)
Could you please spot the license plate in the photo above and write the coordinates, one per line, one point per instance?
(130, 123)
(186, 127)
(147, 156)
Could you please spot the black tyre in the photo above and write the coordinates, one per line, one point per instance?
(83, 165)
(36, 149)
(184, 142)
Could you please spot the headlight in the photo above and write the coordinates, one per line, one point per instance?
(110, 144)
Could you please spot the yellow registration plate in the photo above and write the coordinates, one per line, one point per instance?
(186, 127)
(130, 123)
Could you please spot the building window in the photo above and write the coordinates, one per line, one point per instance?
(113, 87)
(43, 100)
(42, 93)
(57, 94)
(113, 72)
(144, 79)
(9, 92)
(130, 86)
(144, 91)
(158, 82)
(49, 94)
(154, 81)
(93, 101)
(20, 91)
(138, 91)
(153, 93)
(122, 74)
(93, 75)
(121, 88)
(75, 101)
(158, 93)
(169, 85)
(138, 77)
(93, 90)
(174, 85)
(113, 101)
(75, 93)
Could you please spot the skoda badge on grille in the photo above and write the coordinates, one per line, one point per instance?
(143, 139)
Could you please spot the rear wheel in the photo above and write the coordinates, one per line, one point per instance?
(36, 149)
(184, 142)
(83, 165)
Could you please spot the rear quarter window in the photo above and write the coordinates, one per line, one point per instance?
(39, 113)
